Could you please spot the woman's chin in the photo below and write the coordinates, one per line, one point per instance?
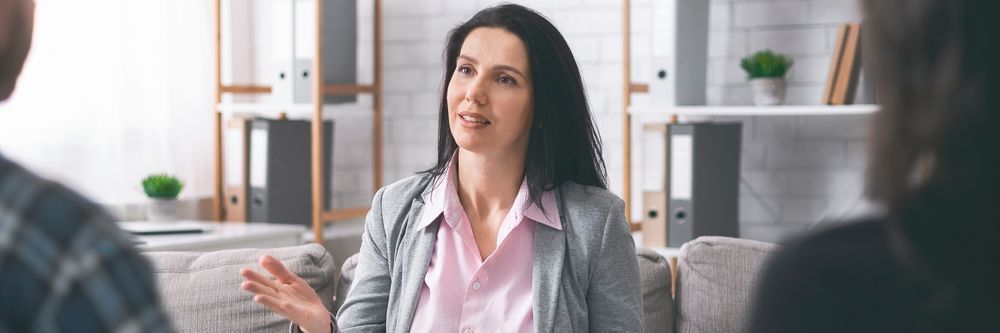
(473, 145)
(469, 139)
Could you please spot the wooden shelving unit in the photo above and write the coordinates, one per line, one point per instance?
(628, 88)
(638, 116)
(320, 216)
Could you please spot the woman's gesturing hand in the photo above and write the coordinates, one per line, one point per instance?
(287, 295)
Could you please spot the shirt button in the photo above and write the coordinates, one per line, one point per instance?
(476, 287)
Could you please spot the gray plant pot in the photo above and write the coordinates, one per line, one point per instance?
(162, 209)
(768, 91)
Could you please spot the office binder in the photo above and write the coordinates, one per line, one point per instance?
(679, 52)
(704, 178)
(236, 158)
(294, 39)
(654, 195)
(654, 219)
(281, 170)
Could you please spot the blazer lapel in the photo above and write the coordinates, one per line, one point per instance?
(416, 255)
(550, 248)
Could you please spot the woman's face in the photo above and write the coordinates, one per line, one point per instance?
(16, 25)
(490, 102)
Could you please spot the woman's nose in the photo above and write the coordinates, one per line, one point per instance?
(476, 92)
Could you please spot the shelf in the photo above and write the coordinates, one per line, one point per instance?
(316, 111)
(779, 110)
(300, 110)
(329, 89)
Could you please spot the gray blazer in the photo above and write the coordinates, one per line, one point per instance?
(585, 277)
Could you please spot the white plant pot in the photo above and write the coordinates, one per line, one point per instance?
(768, 91)
(162, 209)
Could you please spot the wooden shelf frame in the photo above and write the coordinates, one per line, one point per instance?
(628, 88)
(320, 216)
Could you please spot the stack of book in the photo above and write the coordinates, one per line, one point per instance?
(845, 66)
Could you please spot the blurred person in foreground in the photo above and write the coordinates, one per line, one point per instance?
(931, 263)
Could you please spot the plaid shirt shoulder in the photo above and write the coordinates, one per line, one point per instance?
(65, 266)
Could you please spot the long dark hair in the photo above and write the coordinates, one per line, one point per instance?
(563, 144)
(936, 150)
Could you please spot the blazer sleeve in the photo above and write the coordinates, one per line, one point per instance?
(614, 298)
(364, 309)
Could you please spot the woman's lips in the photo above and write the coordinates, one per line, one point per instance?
(472, 120)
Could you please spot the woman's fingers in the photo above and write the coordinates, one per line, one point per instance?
(274, 304)
(250, 275)
(288, 295)
(277, 270)
(258, 289)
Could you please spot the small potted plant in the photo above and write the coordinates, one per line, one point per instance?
(162, 190)
(766, 71)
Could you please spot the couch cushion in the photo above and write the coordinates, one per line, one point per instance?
(346, 278)
(201, 290)
(716, 277)
(657, 303)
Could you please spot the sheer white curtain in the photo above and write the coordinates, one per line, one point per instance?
(114, 90)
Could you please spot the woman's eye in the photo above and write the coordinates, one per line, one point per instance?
(464, 70)
(507, 80)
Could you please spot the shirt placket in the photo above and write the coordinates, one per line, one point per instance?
(475, 301)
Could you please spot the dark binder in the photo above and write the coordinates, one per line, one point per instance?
(281, 170)
(704, 174)
(236, 162)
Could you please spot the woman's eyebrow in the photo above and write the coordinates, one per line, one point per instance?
(503, 67)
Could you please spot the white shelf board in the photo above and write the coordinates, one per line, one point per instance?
(647, 114)
(301, 110)
(778, 110)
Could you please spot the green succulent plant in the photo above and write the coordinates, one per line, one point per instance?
(766, 64)
(162, 186)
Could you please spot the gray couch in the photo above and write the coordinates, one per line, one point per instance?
(713, 287)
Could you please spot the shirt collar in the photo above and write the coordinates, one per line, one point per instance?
(443, 199)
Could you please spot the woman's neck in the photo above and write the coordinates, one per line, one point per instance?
(487, 183)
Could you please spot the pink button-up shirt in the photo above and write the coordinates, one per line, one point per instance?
(462, 292)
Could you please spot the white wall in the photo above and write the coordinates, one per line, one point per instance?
(112, 91)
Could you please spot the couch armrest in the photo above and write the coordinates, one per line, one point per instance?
(716, 283)
(201, 290)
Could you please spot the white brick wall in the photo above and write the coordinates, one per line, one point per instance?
(796, 170)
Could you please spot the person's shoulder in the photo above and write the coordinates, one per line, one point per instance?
(575, 195)
(843, 239)
(824, 260)
(836, 250)
(404, 190)
(590, 212)
(41, 200)
(395, 199)
(817, 279)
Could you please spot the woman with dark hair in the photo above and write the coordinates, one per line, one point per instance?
(513, 229)
(931, 264)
